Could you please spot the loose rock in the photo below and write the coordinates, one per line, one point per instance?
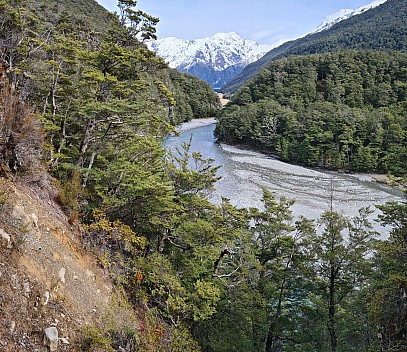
(35, 220)
(61, 275)
(12, 327)
(64, 340)
(45, 298)
(51, 338)
(6, 237)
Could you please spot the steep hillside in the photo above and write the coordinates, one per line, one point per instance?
(381, 28)
(72, 102)
(87, 11)
(46, 276)
(344, 110)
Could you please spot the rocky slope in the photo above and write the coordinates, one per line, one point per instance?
(46, 277)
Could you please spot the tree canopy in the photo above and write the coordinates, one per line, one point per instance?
(342, 110)
(92, 108)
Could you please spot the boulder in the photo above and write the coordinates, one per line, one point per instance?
(51, 338)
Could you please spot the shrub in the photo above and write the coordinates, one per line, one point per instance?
(21, 136)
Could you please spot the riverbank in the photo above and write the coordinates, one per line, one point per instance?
(245, 172)
(195, 123)
(384, 179)
(373, 178)
(222, 99)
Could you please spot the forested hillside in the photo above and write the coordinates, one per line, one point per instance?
(343, 110)
(382, 28)
(83, 114)
(87, 12)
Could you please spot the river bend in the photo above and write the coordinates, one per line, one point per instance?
(244, 172)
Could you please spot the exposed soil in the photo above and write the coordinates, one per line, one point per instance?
(46, 276)
(223, 100)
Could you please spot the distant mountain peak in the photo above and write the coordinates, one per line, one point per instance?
(214, 59)
(229, 46)
(344, 14)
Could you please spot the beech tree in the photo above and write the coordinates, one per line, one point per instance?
(141, 24)
(281, 249)
(341, 264)
(387, 297)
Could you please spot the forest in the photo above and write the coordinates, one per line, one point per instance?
(91, 108)
(343, 111)
(382, 28)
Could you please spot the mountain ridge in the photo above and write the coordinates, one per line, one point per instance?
(380, 28)
(215, 59)
(221, 57)
(344, 14)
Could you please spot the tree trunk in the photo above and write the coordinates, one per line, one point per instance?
(331, 310)
(85, 142)
(91, 161)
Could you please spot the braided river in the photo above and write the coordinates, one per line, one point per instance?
(243, 174)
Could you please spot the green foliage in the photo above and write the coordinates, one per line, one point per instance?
(93, 339)
(200, 275)
(382, 28)
(140, 23)
(71, 194)
(194, 98)
(342, 111)
(341, 267)
(3, 198)
(387, 296)
(187, 178)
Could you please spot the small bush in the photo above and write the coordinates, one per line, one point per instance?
(71, 194)
(94, 339)
(3, 198)
(21, 135)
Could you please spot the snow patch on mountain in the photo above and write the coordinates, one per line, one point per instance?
(220, 51)
(219, 58)
(344, 14)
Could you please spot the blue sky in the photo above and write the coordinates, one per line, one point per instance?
(266, 21)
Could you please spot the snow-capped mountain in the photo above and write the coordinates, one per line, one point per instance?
(219, 58)
(344, 14)
(214, 59)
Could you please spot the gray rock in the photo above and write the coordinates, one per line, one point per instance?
(35, 220)
(12, 327)
(51, 338)
(61, 275)
(20, 215)
(6, 237)
(45, 298)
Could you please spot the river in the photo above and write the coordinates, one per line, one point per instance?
(244, 172)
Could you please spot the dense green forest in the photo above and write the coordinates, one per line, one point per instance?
(382, 28)
(92, 109)
(344, 110)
